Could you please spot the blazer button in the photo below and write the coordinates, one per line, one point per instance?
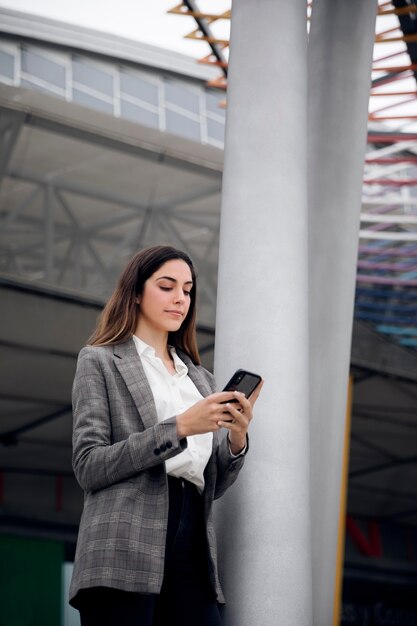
(169, 444)
(157, 451)
(162, 447)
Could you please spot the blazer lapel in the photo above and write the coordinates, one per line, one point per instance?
(199, 381)
(130, 366)
(131, 370)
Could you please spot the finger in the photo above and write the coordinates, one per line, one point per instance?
(222, 406)
(242, 400)
(244, 407)
(231, 424)
(254, 396)
(238, 417)
(222, 396)
(234, 425)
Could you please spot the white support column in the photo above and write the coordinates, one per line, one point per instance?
(339, 74)
(262, 314)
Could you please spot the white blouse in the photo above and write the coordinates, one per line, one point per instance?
(174, 394)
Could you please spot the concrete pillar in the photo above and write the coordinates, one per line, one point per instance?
(339, 74)
(263, 522)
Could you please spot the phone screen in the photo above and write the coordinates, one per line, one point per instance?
(243, 381)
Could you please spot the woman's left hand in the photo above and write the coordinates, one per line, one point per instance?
(242, 414)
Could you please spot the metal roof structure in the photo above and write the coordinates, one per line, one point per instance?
(387, 271)
(162, 131)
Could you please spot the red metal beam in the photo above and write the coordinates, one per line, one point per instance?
(391, 137)
(391, 182)
(389, 160)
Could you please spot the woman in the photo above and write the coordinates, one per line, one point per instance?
(147, 453)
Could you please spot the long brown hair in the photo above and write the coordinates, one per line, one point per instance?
(118, 320)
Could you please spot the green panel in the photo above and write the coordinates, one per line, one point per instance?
(30, 581)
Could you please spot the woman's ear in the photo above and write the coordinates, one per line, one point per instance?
(137, 299)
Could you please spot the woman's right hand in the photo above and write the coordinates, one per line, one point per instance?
(204, 415)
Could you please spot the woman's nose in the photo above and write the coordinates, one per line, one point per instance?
(179, 296)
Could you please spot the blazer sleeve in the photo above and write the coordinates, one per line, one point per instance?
(97, 462)
(228, 465)
(223, 465)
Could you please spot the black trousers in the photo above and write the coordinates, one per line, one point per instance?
(186, 597)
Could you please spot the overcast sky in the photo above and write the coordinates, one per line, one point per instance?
(142, 20)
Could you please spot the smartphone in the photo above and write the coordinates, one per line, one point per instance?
(243, 381)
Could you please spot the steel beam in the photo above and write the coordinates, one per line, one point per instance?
(10, 437)
(371, 350)
(133, 146)
(11, 123)
(381, 467)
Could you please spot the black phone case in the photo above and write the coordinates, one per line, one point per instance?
(240, 382)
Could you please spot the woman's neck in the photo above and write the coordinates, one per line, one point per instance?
(157, 340)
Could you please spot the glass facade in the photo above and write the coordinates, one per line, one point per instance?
(180, 96)
(138, 114)
(89, 75)
(41, 67)
(7, 63)
(149, 97)
(180, 124)
(134, 85)
(43, 88)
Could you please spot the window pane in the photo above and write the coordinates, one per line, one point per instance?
(6, 64)
(180, 125)
(92, 77)
(43, 68)
(215, 130)
(182, 97)
(137, 114)
(90, 101)
(212, 103)
(135, 86)
(30, 85)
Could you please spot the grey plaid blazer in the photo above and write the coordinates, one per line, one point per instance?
(118, 453)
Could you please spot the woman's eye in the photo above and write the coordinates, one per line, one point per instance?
(165, 288)
(187, 293)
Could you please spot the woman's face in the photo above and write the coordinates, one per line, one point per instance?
(165, 301)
